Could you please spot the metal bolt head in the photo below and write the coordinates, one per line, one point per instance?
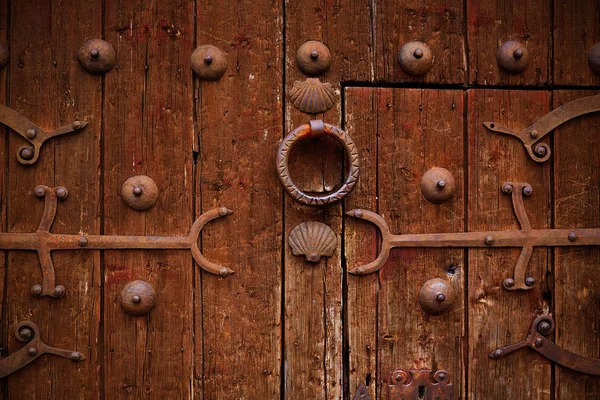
(82, 242)
(94, 53)
(313, 58)
(26, 153)
(208, 59)
(534, 134)
(97, 56)
(518, 53)
(527, 190)
(31, 133)
(512, 57)
(530, 281)
(32, 351)
(358, 213)
(440, 297)
(539, 342)
(497, 353)
(37, 290)
(59, 291)
(39, 191)
(137, 191)
(314, 54)
(136, 299)
(418, 53)
(441, 183)
(62, 192)
(77, 125)
(75, 356)
(489, 240)
(545, 327)
(415, 58)
(223, 211)
(540, 151)
(509, 282)
(572, 237)
(507, 188)
(26, 334)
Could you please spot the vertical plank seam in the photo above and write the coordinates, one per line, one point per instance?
(282, 349)
(465, 357)
(344, 310)
(101, 338)
(378, 392)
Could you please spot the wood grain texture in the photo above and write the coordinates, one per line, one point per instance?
(438, 23)
(493, 22)
(498, 317)
(239, 126)
(577, 205)
(421, 129)
(49, 87)
(4, 178)
(576, 30)
(148, 129)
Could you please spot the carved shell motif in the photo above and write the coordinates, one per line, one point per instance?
(313, 240)
(312, 96)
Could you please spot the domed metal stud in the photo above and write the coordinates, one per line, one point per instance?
(313, 58)
(512, 57)
(594, 58)
(97, 56)
(209, 62)
(436, 296)
(437, 185)
(140, 192)
(138, 298)
(4, 55)
(415, 58)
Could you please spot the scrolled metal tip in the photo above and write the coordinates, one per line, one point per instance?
(223, 211)
(224, 271)
(357, 271)
(495, 354)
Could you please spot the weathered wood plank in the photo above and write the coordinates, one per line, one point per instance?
(421, 129)
(493, 22)
(4, 177)
(576, 30)
(363, 109)
(148, 129)
(498, 317)
(438, 23)
(577, 205)
(48, 86)
(239, 127)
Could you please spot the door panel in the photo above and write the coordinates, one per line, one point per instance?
(577, 205)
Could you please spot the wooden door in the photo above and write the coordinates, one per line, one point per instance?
(280, 327)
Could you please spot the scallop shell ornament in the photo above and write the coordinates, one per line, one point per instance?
(313, 240)
(312, 96)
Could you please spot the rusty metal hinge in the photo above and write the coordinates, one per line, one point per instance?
(526, 238)
(45, 242)
(530, 136)
(28, 332)
(33, 133)
(541, 326)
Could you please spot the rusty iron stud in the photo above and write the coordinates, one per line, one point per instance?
(209, 62)
(39, 191)
(139, 192)
(489, 240)
(28, 332)
(27, 153)
(436, 296)
(507, 188)
(62, 192)
(415, 58)
(4, 56)
(594, 58)
(572, 236)
(437, 185)
(97, 56)
(138, 298)
(512, 57)
(530, 281)
(508, 283)
(534, 134)
(31, 133)
(37, 290)
(313, 58)
(77, 125)
(539, 342)
(545, 327)
(527, 190)
(82, 242)
(59, 291)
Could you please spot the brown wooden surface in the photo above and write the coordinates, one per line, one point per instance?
(577, 205)
(497, 317)
(48, 86)
(493, 22)
(4, 132)
(239, 123)
(576, 30)
(148, 130)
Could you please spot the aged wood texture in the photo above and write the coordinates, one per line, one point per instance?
(48, 86)
(239, 126)
(438, 23)
(493, 22)
(576, 30)
(577, 205)
(497, 317)
(419, 129)
(4, 178)
(148, 129)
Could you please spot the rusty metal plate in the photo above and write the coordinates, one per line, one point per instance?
(420, 384)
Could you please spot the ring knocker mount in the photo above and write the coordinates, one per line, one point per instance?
(45, 242)
(541, 326)
(314, 129)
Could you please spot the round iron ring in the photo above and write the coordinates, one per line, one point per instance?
(312, 130)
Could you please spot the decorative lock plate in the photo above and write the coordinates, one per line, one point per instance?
(530, 136)
(420, 384)
(33, 133)
(29, 333)
(526, 238)
(45, 242)
(543, 326)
